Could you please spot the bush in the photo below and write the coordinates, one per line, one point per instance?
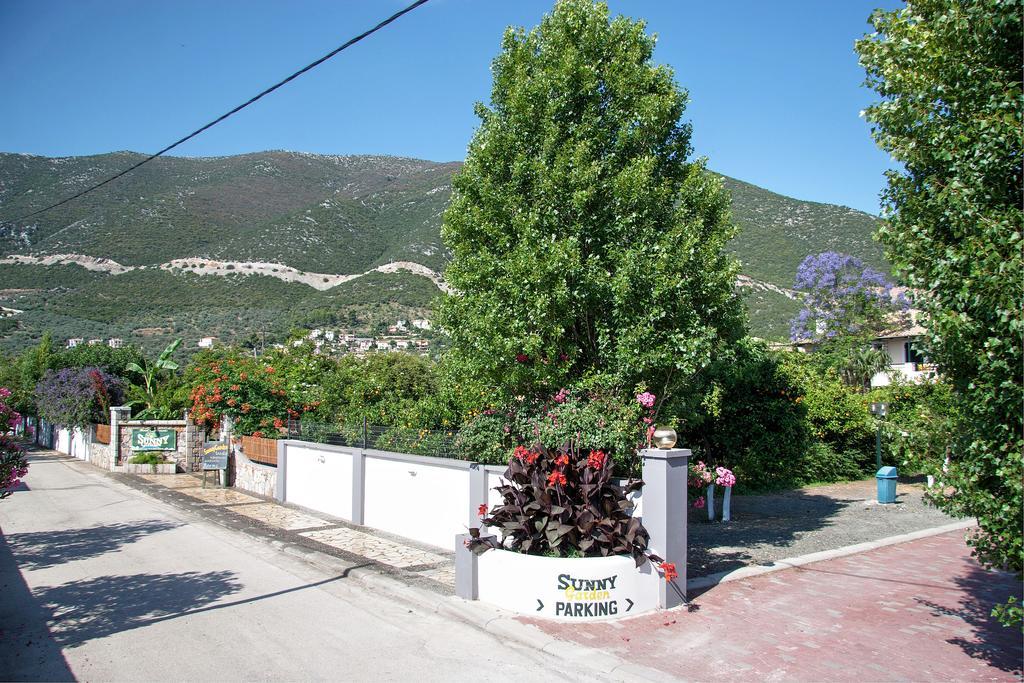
(77, 397)
(589, 416)
(748, 413)
(13, 464)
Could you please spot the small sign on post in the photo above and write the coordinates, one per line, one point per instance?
(215, 457)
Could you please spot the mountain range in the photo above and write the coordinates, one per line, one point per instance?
(259, 243)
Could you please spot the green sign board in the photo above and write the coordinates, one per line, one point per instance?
(154, 439)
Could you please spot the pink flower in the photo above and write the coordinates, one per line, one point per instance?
(646, 399)
(725, 477)
(522, 358)
(648, 420)
(699, 503)
(561, 396)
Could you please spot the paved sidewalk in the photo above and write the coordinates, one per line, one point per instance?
(421, 565)
(914, 611)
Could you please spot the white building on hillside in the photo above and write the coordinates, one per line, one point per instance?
(77, 341)
(115, 342)
(206, 342)
(905, 360)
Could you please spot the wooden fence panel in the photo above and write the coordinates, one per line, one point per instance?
(260, 450)
(103, 433)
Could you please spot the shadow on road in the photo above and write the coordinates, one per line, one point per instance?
(81, 611)
(777, 519)
(998, 645)
(28, 652)
(42, 549)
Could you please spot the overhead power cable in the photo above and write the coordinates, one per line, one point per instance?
(237, 109)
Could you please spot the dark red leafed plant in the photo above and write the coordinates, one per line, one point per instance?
(563, 503)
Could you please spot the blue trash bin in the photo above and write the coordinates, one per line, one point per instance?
(886, 484)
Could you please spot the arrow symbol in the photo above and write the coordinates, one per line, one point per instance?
(540, 605)
(630, 604)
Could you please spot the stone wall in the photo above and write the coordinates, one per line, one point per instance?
(253, 477)
(101, 455)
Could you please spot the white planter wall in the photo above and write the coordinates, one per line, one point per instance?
(320, 479)
(425, 501)
(546, 587)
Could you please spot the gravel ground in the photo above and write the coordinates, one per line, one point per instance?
(767, 528)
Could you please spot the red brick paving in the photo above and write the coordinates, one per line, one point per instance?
(914, 611)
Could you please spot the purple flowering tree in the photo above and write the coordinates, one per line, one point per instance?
(76, 397)
(13, 465)
(846, 304)
(842, 296)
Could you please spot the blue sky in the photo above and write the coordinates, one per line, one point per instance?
(775, 87)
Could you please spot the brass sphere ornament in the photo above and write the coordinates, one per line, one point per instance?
(664, 437)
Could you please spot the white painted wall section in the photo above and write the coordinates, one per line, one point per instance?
(427, 503)
(320, 479)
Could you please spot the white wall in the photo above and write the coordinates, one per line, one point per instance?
(319, 479)
(72, 442)
(421, 501)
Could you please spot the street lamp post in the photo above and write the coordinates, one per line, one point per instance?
(880, 410)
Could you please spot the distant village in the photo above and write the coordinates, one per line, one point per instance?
(404, 335)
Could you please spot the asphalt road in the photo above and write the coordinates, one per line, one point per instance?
(101, 582)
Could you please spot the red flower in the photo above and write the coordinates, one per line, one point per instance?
(522, 358)
(278, 423)
(562, 460)
(258, 434)
(482, 510)
(669, 569)
(596, 459)
(556, 478)
(269, 369)
(232, 402)
(235, 387)
(521, 452)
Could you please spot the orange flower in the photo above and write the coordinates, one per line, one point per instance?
(243, 376)
(556, 478)
(246, 407)
(269, 369)
(278, 423)
(232, 402)
(669, 569)
(235, 387)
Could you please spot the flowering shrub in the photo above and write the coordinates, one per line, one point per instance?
(13, 465)
(248, 390)
(588, 418)
(76, 397)
(700, 477)
(565, 503)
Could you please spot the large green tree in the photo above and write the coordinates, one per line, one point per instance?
(583, 241)
(948, 73)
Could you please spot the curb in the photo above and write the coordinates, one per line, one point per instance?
(800, 560)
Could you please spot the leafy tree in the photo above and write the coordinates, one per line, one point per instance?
(113, 361)
(151, 393)
(31, 366)
(949, 76)
(583, 241)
